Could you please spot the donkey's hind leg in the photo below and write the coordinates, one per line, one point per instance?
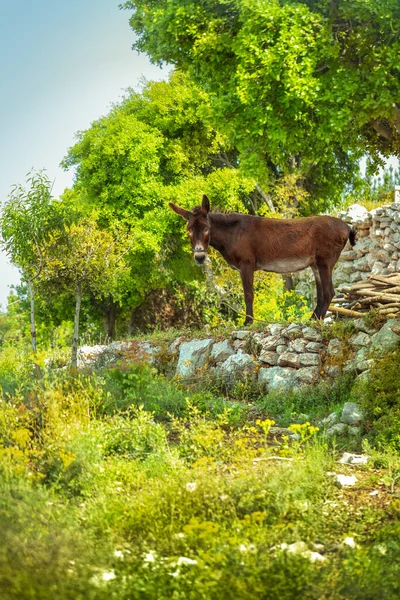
(247, 275)
(320, 293)
(327, 289)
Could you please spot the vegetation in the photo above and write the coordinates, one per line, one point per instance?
(123, 481)
(119, 483)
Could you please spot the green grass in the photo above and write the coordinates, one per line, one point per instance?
(103, 497)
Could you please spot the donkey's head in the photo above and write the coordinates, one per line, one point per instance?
(198, 227)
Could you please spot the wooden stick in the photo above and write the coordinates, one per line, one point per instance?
(345, 312)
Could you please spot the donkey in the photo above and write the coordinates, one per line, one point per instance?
(249, 243)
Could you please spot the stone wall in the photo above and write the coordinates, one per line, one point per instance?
(277, 357)
(377, 249)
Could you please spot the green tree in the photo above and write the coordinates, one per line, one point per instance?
(152, 148)
(84, 258)
(28, 216)
(300, 88)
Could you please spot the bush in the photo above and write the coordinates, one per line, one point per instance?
(379, 396)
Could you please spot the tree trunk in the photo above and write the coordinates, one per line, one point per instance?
(110, 311)
(33, 325)
(75, 340)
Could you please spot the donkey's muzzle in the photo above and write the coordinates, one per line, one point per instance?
(200, 257)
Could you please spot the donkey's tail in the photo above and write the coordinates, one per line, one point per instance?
(352, 235)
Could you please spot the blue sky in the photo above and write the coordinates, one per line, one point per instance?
(63, 63)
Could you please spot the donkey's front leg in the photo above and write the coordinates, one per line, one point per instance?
(247, 275)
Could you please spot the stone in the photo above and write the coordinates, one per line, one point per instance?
(309, 360)
(332, 371)
(330, 420)
(360, 325)
(354, 431)
(351, 414)
(271, 342)
(276, 328)
(334, 347)
(88, 355)
(221, 351)
(281, 348)
(308, 375)
(238, 364)
(313, 347)
(356, 214)
(337, 429)
(345, 480)
(387, 338)
(353, 459)
(360, 339)
(241, 335)
(289, 359)
(174, 347)
(298, 345)
(277, 378)
(311, 334)
(193, 355)
(269, 357)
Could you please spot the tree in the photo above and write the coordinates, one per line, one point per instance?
(152, 148)
(27, 219)
(84, 258)
(300, 88)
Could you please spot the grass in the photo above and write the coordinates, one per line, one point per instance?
(122, 485)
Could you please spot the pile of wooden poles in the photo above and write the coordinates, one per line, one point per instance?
(381, 292)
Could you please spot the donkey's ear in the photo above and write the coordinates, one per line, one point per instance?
(205, 205)
(180, 211)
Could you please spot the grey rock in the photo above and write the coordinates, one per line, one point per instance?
(387, 338)
(238, 364)
(353, 459)
(276, 328)
(289, 359)
(277, 378)
(337, 429)
(334, 347)
(271, 342)
(174, 347)
(193, 355)
(308, 375)
(330, 420)
(309, 360)
(241, 335)
(354, 431)
(313, 346)
(269, 357)
(221, 351)
(298, 345)
(351, 414)
(332, 371)
(281, 348)
(360, 339)
(360, 325)
(311, 334)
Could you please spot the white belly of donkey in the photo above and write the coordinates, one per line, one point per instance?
(285, 265)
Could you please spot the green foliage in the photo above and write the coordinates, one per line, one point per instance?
(302, 88)
(379, 396)
(313, 401)
(101, 505)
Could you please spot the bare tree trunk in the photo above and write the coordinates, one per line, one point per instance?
(33, 324)
(75, 340)
(110, 311)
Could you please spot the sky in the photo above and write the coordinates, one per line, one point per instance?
(62, 64)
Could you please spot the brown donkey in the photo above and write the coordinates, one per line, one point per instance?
(250, 243)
